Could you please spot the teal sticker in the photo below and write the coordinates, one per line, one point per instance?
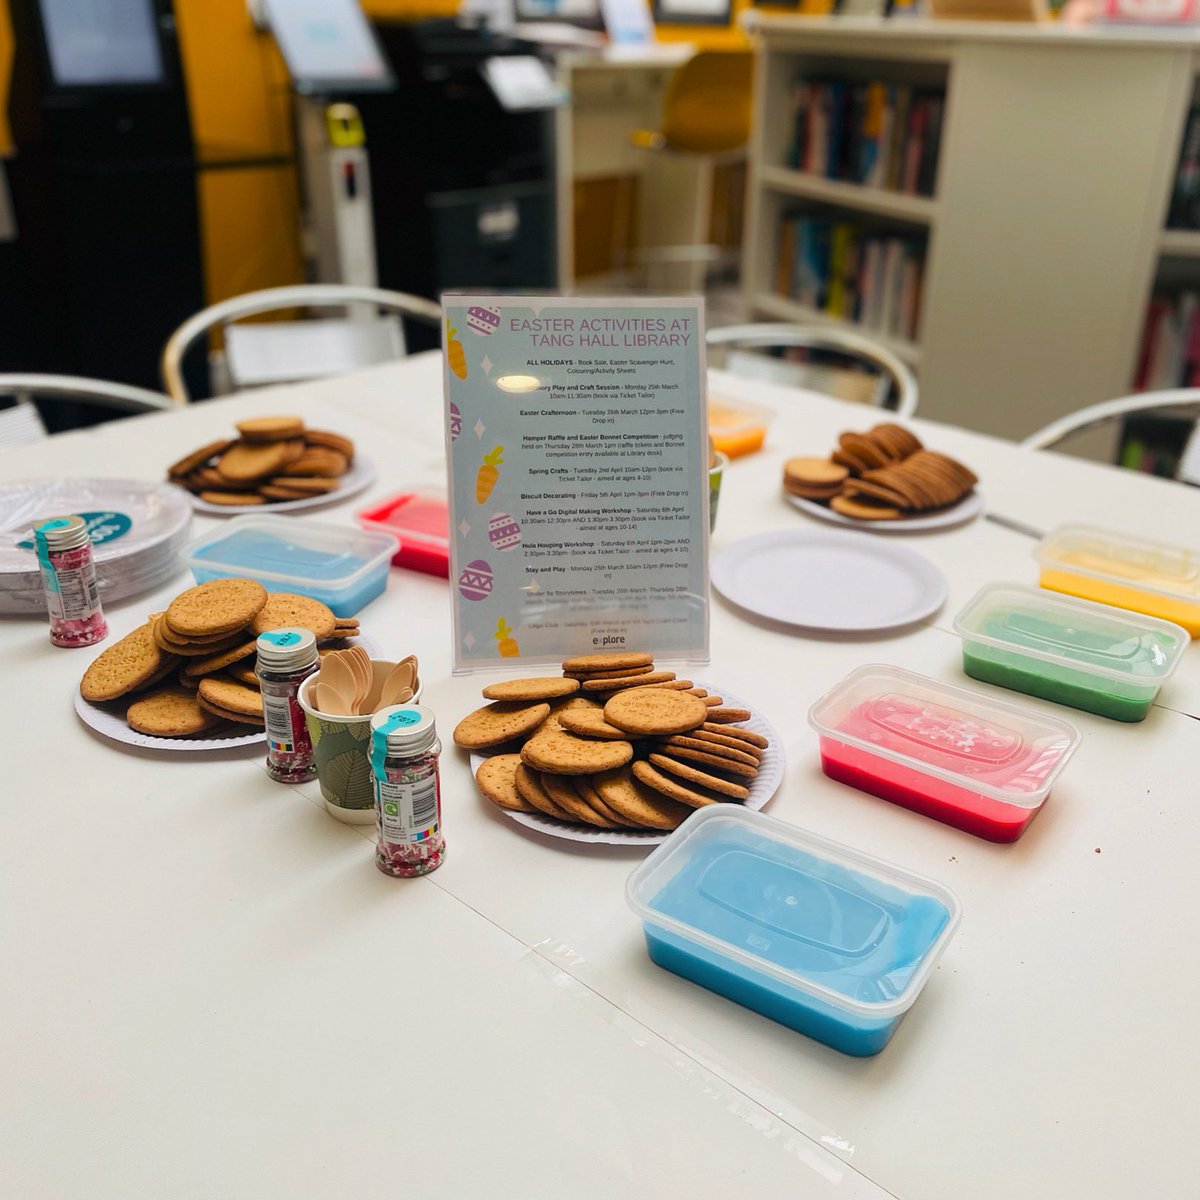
(101, 526)
(400, 719)
(288, 637)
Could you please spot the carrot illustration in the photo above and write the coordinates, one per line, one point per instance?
(506, 643)
(455, 353)
(489, 472)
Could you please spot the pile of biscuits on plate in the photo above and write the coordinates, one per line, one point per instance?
(885, 474)
(612, 743)
(272, 459)
(190, 668)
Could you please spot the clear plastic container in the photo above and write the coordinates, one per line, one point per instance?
(339, 565)
(818, 936)
(1090, 656)
(422, 523)
(1127, 572)
(737, 427)
(980, 764)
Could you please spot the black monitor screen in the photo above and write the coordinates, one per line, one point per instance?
(101, 42)
(328, 45)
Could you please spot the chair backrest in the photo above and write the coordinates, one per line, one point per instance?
(310, 295)
(706, 109)
(897, 384)
(22, 425)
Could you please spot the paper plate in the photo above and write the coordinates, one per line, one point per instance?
(765, 785)
(967, 509)
(841, 582)
(360, 475)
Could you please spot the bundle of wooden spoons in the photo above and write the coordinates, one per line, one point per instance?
(350, 685)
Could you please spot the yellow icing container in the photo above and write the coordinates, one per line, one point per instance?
(737, 427)
(1127, 572)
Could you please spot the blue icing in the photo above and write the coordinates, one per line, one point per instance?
(255, 550)
(856, 935)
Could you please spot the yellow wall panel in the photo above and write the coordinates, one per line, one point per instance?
(6, 57)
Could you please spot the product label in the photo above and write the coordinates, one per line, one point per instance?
(408, 812)
(283, 719)
(71, 594)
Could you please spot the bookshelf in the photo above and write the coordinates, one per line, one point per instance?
(1045, 230)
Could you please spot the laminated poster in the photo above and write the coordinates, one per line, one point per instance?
(578, 450)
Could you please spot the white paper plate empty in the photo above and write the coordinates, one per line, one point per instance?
(360, 475)
(818, 579)
(967, 509)
(766, 784)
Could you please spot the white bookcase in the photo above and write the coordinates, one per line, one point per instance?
(1046, 226)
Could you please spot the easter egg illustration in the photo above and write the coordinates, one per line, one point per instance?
(455, 422)
(475, 581)
(482, 320)
(503, 532)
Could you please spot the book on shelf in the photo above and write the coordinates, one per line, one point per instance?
(1184, 212)
(843, 270)
(877, 134)
(1169, 356)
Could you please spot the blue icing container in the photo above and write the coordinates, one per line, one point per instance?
(341, 565)
(820, 937)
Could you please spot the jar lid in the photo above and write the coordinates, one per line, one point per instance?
(401, 729)
(61, 533)
(287, 648)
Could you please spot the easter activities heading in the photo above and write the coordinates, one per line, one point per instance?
(604, 331)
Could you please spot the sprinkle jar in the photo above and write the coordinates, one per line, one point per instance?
(64, 550)
(286, 658)
(408, 794)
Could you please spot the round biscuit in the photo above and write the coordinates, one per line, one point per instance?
(218, 662)
(814, 472)
(125, 666)
(726, 715)
(330, 441)
(497, 723)
(285, 609)
(738, 733)
(270, 429)
(561, 753)
(169, 712)
(631, 799)
(708, 738)
(496, 779)
(705, 779)
(612, 685)
(230, 696)
(675, 789)
(703, 759)
(228, 715)
(679, 742)
(190, 462)
(610, 661)
(244, 461)
(533, 791)
(550, 688)
(590, 722)
(219, 606)
(619, 673)
(228, 499)
(562, 790)
(647, 711)
(865, 509)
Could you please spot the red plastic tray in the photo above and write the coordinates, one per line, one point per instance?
(422, 523)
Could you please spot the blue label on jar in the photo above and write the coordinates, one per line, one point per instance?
(400, 719)
(287, 637)
(101, 526)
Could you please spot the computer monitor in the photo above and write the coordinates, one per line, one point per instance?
(102, 43)
(584, 13)
(328, 46)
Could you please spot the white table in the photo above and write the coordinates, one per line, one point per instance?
(210, 990)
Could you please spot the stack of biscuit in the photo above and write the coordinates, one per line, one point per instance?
(884, 474)
(204, 644)
(272, 459)
(613, 743)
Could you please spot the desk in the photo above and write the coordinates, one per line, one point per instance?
(212, 992)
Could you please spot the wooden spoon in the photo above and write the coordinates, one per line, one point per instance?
(337, 676)
(330, 700)
(401, 679)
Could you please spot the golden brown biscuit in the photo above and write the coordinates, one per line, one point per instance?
(561, 789)
(169, 712)
(270, 429)
(737, 732)
(230, 696)
(620, 682)
(227, 499)
(705, 779)
(283, 609)
(228, 715)
(245, 461)
(864, 509)
(703, 760)
(497, 723)
(529, 784)
(197, 458)
(125, 666)
(496, 779)
(549, 688)
(219, 606)
(630, 798)
(619, 673)
(680, 742)
(218, 662)
(610, 661)
(675, 789)
(644, 712)
(561, 753)
(590, 722)
(330, 441)
(306, 485)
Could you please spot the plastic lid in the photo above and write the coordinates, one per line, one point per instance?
(1078, 633)
(1103, 554)
(820, 917)
(286, 649)
(398, 730)
(1010, 752)
(283, 551)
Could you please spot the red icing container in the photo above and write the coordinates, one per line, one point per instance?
(422, 523)
(956, 755)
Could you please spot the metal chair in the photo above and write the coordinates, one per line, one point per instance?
(22, 425)
(894, 386)
(1096, 415)
(279, 352)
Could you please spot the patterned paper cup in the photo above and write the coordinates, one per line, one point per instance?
(715, 474)
(342, 746)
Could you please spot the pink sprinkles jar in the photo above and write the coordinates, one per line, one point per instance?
(286, 658)
(408, 793)
(64, 550)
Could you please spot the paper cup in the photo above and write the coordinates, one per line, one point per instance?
(715, 474)
(342, 747)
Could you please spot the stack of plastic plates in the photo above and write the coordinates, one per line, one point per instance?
(138, 532)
